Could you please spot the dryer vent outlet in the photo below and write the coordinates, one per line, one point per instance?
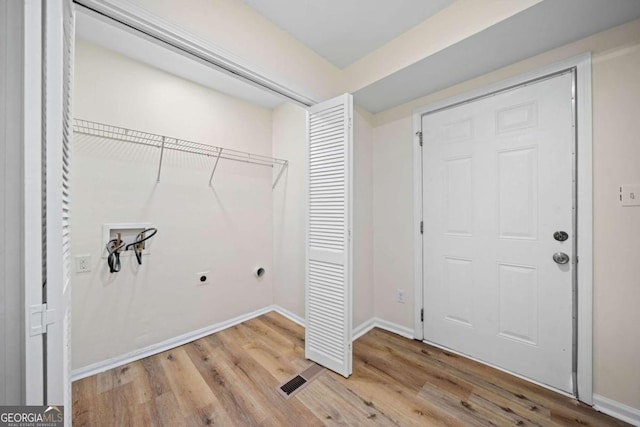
(259, 272)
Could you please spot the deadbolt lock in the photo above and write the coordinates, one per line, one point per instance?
(560, 236)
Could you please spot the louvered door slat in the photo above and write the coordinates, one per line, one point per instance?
(58, 78)
(328, 297)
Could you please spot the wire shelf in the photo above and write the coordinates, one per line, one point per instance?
(162, 142)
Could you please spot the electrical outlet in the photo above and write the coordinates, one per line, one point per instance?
(400, 296)
(202, 278)
(83, 263)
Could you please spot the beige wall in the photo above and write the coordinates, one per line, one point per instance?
(227, 229)
(239, 224)
(393, 220)
(289, 208)
(616, 91)
(363, 292)
(616, 158)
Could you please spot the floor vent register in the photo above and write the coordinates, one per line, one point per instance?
(300, 381)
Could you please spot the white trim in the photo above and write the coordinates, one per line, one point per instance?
(288, 314)
(32, 164)
(616, 409)
(105, 365)
(114, 362)
(582, 63)
(403, 331)
(418, 330)
(585, 229)
(363, 328)
(164, 31)
(376, 322)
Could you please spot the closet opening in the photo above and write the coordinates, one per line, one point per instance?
(214, 165)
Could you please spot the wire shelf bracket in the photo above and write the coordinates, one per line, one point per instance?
(163, 143)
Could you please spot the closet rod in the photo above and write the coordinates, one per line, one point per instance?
(117, 133)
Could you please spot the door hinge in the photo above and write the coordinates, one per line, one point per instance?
(350, 122)
(419, 133)
(421, 227)
(422, 314)
(40, 317)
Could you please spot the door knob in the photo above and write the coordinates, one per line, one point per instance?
(561, 258)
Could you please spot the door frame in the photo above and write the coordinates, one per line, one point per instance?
(583, 339)
(32, 201)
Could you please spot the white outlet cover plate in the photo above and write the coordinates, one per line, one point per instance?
(106, 236)
(83, 259)
(630, 195)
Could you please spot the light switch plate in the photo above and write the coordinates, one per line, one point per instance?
(630, 195)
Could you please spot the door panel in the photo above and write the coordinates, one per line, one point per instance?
(328, 287)
(497, 184)
(58, 76)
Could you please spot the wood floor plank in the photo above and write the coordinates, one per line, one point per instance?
(146, 414)
(341, 409)
(84, 398)
(116, 405)
(458, 384)
(236, 405)
(154, 377)
(230, 379)
(189, 388)
(168, 410)
(263, 381)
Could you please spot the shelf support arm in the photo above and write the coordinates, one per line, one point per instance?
(161, 156)
(215, 166)
(284, 165)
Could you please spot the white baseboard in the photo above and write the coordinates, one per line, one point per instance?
(376, 322)
(363, 328)
(105, 365)
(289, 315)
(616, 409)
(403, 331)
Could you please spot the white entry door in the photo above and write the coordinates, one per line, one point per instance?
(329, 274)
(497, 186)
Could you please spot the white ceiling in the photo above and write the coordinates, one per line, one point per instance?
(343, 31)
(545, 26)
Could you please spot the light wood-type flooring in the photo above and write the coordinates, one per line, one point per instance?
(229, 379)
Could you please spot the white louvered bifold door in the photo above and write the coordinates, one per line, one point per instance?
(328, 287)
(58, 78)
